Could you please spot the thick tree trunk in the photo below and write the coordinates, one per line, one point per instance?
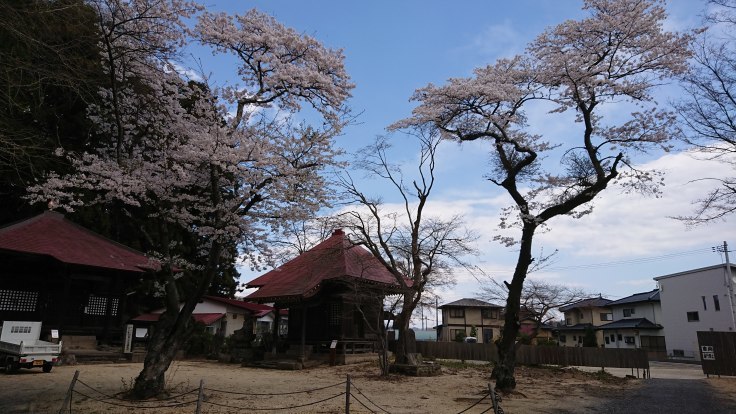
(172, 330)
(401, 324)
(167, 339)
(401, 344)
(503, 372)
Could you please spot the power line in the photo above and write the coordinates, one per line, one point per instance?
(632, 261)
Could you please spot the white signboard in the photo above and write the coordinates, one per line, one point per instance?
(707, 353)
(333, 344)
(128, 342)
(55, 334)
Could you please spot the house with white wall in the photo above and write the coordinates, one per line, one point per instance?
(220, 315)
(580, 317)
(696, 300)
(637, 323)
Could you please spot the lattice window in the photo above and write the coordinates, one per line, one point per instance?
(97, 305)
(18, 300)
(335, 314)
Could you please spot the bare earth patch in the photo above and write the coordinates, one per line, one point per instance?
(229, 387)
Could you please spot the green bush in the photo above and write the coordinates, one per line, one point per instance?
(201, 342)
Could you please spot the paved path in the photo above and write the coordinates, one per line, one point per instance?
(680, 396)
(674, 388)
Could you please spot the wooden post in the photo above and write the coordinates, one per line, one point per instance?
(492, 395)
(347, 395)
(68, 397)
(304, 333)
(200, 397)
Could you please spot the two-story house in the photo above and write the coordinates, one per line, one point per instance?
(636, 324)
(580, 317)
(696, 300)
(459, 318)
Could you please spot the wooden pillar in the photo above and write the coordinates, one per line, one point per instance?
(304, 332)
(275, 329)
(64, 305)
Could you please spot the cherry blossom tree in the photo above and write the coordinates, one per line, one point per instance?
(618, 54)
(709, 109)
(214, 169)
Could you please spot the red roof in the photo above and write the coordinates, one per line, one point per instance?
(203, 318)
(51, 234)
(255, 308)
(303, 276)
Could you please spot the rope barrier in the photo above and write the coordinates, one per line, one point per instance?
(274, 409)
(104, 401)
(368, 399)
(474, 404)
(112, 397)
(274, 394)
(361, 403)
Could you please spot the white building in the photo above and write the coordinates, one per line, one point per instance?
(637, 323)
(696, 300)
(221, 316)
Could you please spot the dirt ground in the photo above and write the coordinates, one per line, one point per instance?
(231, 388)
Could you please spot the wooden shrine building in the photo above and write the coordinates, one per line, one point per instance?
(333, 291)
(70, 278)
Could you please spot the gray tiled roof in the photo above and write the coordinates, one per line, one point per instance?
(636, 323)
(598, 302)
(651, 296)
(470, 303)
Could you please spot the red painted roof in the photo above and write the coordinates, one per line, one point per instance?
(51, 234)
(255, 308)
(303, 276)
(203, 318)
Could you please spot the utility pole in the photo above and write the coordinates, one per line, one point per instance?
(729, 283)
(437, 317)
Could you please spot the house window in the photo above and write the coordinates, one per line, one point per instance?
(568, 321)
(608, 340)
(620, 337)
(629, 340)
(457, 313)
(678, 352)
(457, 333)
(613, 338)
(628, 312)
(563, 338)
(574, 338)
(489, 313)
(235, 316)
(693, 317)
(716, 303)
(606, 316)
(705, 305)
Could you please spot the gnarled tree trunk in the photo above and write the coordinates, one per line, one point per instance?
(503, 372)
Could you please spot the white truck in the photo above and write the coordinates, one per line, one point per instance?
(21, 348)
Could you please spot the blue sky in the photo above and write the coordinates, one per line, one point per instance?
(395, 47)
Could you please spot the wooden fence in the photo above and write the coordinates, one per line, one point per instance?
(548, 355)
(717, 352)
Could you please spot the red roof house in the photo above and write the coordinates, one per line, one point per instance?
(70, 278)
(333, 291)
(51, 234)
(334, 259)
(220, 315)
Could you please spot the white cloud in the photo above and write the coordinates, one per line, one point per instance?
(498, 41)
